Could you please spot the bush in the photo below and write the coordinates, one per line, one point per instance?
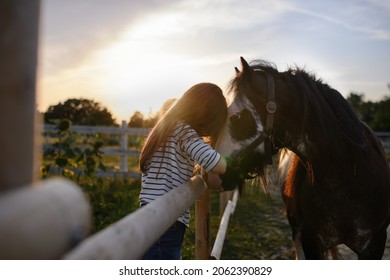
(66, 157)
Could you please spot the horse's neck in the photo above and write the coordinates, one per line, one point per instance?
(323, 166)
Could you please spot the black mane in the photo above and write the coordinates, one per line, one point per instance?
(327, 111)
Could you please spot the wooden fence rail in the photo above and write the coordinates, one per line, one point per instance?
(130, 237)
(43, 221)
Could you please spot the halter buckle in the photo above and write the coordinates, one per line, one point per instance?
(271, 107)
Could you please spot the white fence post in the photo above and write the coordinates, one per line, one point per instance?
(220, 238)
(123, 151)
(124, 148)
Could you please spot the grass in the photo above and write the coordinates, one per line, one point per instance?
(111, 199)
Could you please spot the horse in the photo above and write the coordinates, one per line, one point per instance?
(336, 184)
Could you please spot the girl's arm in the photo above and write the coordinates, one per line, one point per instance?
(212, 178)
(220, 168)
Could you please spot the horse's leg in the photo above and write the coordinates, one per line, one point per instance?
(375, 248)
(311, 246)
(299, 254)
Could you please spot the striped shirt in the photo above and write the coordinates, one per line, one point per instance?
(183, 149)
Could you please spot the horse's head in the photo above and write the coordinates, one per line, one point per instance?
(248, 141)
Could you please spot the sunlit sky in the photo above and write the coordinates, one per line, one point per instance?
(133, 55)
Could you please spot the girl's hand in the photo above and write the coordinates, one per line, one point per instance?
(212, 180)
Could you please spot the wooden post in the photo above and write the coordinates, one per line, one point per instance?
(124, 148)
(19, 22)
(44, 221)
(202, 226)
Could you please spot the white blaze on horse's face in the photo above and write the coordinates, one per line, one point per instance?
(242, 128)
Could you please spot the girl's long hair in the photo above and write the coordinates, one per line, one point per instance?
(203, 107)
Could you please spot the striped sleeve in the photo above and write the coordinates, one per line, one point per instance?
(194, 146)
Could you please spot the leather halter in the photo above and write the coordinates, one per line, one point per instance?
(267, 135)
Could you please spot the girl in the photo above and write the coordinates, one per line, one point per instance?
(172, 149)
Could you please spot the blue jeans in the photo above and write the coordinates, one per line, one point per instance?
(168, 247)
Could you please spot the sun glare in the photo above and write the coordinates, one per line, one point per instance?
(139, 60)
(124, 72)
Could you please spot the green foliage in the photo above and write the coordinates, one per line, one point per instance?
(138, 119)
(375, 114)
(381, 120)
(80, 112)
(66, 157)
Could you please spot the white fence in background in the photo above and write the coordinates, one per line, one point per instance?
(123, 150)
(223, 226)
(385, 139)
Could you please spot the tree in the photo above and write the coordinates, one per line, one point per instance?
(364, 110)
(137, 120)
(381, 120)
(166, 106)
(375, 114)
(356, 100)
(80, 112)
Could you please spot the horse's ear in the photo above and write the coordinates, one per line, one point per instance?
(237, 71)
(245, 66)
